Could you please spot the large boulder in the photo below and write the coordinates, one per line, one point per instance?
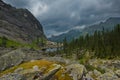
(77, 71)
(117, 73)
(32, 74)
(92, 75)
(97, 73)
(51, 73)
(11, 59)
(3, 50)
(13, 76)
(116, 64)
(108, 76)
(16, 57)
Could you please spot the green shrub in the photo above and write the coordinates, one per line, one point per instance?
(4, 41)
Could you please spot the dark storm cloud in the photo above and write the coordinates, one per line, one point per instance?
(18, 3)
(57, 14)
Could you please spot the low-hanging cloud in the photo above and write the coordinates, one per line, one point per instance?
(57, 14)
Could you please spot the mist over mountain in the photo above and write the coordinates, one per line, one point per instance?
(76, 32)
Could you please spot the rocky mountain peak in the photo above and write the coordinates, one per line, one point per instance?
(19, 24)
(4, 5)
(113, 19)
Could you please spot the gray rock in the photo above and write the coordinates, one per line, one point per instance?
(94, 73)
(35, 68)
(77, 71)
(117, 73)
(57, 59)
(3, 50)
(87, 77)
(51, 73)
(108, 76)
(116, 64)
(97, 73)
(18, 70)
(16, 57)
(13, 76)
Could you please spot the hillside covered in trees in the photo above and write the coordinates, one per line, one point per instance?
(102, 44)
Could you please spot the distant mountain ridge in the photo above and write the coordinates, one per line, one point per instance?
(75, 33)
(19, 24)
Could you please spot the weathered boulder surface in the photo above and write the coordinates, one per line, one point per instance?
(52, 69)
(61, 60)
(13, 76)
(16, 57)
(4, 50)
(50, 74)
(108, 76)
(57, 59)
(117, 72)
(77, 71)
(109, 69)
(32, 74)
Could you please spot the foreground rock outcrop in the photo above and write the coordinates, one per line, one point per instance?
(50, 74)
(44, 68)
(103, 69)
(13, 76)
(77, 71)
(28, 64)
(36, 70)
(33, 75)
(18, 56)
(19, 24)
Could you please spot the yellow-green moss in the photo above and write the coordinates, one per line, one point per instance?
(28, 65)
(40, 63)
(60, 76)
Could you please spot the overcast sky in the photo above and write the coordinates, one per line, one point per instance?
(57, 16)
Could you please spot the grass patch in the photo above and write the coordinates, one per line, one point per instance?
(7, 43)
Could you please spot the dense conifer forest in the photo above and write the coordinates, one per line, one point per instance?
(102, 44)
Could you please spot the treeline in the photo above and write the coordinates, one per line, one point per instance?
(104, 44)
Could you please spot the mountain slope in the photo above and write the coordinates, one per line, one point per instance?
(69, 36)
(19, 24)
(75, 33)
